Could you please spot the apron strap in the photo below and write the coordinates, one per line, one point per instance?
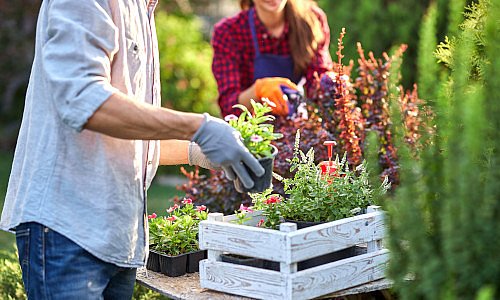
(251, 13)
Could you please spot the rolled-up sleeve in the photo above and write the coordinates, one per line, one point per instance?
(77, 55)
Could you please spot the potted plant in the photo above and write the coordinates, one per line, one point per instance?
(317, 194)
(326, 192)
(257, 132)
(174, 239)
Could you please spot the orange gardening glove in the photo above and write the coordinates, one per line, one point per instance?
(271, 88)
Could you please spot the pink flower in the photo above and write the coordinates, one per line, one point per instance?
(230, 118)
(172, 218)
(245, 208)
(187, 201)
(256, 138)
(152, 216)
(201, 208)
(272, 199)
(260, 222)
(171, 209)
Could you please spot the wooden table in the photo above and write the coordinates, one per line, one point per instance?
(188, 287)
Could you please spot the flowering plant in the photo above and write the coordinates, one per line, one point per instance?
(319, 194)
(269, 204)
(265, 202)
(177, 233)
(241, 214)
(257, 130)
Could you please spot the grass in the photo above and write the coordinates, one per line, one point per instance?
(7, 240)
(160, 197)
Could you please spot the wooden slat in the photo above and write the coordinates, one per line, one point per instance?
(337, 235)
(339, 275)
(306, 284)
(243, 240)
(377, 285)
(242, 280)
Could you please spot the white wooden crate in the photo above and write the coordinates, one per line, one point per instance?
(289, 246)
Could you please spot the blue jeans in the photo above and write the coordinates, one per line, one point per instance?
(56, 268)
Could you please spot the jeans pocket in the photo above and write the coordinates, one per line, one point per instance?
(23, 248)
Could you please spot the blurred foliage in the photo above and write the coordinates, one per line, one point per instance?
(7, 239)
(144, 293)
(17, 34)
(443, 220)
(11, 283)
(381, 24)
(185, 61)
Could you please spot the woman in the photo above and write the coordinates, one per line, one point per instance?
(270, 45)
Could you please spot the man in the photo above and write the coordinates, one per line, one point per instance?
(89, 146)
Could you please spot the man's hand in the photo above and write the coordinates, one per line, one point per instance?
(272, 88)
(222, 145)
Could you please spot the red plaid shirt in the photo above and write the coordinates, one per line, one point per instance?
(233, 65)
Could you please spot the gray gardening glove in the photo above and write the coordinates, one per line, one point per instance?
(222, 145)
(197, 158)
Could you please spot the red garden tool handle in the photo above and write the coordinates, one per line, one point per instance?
(328, 167)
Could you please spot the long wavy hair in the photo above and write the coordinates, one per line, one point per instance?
(305, 31)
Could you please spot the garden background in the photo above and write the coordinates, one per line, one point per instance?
(184, 28)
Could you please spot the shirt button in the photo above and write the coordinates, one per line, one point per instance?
(264, 35)
(150, 162)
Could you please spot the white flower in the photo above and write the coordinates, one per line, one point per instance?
(256, 138)
(230, 118)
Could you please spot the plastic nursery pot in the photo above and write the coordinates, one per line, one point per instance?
(173, 266)
(327, 258)
(263, 182)
(153, 263)
(303, 224)
(242, 260)
(193, 260)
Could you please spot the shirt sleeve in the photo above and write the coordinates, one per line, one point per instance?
(81, 40)
(225, 68)
(322, 61)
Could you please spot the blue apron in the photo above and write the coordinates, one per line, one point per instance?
(270, 65)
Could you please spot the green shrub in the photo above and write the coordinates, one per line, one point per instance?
(11, 282)
(444, 231)
(389, 23)
(187, 82)
(143, 293)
